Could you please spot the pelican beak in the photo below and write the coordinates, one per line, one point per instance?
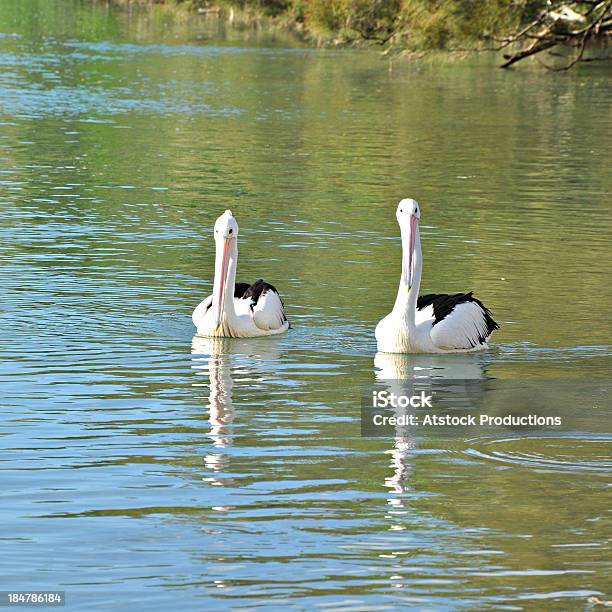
(219, 298)
(408, 258)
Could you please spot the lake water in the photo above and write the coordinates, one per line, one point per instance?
(142, 468)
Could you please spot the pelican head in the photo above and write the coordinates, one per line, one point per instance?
(408, 214)
(226, 226)
(407, 207)
(226, 234)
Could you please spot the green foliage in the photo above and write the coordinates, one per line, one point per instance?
(442, 24)
(370, 19)
(266, 7)
(416, 24)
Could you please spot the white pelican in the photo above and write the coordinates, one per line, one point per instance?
(237, 310)
(433, 323)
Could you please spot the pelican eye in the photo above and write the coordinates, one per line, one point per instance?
(231, 230)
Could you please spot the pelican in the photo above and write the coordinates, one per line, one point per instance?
(237, 310)
(433, 323)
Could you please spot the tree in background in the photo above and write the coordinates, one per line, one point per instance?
(519, 28)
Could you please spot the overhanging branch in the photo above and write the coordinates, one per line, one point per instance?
(573, 26)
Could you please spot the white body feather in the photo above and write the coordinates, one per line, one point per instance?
(264, 319)
(458, 332)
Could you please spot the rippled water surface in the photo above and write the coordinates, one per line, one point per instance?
(145, 468)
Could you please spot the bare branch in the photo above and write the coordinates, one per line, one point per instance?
(552, 27)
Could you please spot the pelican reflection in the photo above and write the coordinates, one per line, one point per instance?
(214, 361)
(226, 362)
(404, 374)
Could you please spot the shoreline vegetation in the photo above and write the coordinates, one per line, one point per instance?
(562, 34)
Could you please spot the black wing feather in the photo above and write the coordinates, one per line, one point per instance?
(259, 288)
(240, 289)
(444, 303)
